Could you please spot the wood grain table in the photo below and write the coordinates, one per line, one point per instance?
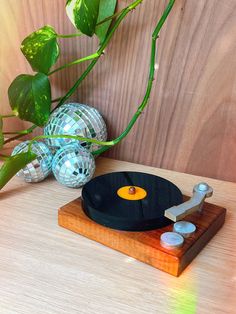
(45, 269)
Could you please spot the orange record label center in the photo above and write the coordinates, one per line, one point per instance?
(131, 193)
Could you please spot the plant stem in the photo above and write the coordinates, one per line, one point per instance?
(77, 83)
(90, 57)
(111, 17)
(8, 116)
(150, 80)
(22, 133)
(73, 137)
(108, 144)
(122, 15)
(56, 100)
(69, 36)
(16, 132)
(99, 52)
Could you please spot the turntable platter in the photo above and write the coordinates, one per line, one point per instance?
(131, 201)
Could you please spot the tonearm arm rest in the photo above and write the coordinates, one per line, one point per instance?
(195, 203)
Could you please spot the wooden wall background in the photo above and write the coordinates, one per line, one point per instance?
(190, 124)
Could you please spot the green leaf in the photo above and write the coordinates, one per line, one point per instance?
(30, 98)
(83, 14)
(41, 49)
(1, 134)
(13, 165)
(106, 9)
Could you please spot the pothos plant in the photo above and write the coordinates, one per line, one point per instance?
(30, 95)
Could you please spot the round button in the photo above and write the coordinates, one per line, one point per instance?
(185, 228)
(171, 240)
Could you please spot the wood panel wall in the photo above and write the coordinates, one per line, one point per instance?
(190, 124)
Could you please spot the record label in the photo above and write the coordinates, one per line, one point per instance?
(132, 193)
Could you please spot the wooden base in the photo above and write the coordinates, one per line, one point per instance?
(145, 246)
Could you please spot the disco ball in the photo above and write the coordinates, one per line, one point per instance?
(75, 119)
(38, 169)
(73, 165)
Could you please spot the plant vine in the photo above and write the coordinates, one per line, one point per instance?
(12, 164)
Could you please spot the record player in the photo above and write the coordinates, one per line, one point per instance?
(145, 217)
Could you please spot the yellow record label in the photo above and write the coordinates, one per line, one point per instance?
(131, 193)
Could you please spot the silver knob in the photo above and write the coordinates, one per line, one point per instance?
(171, 240)
(203, 187)
(185, 228)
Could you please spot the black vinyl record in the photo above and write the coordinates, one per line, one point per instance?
(102, 204)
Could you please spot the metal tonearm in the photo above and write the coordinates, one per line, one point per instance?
(200, 192)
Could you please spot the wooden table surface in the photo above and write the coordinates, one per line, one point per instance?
(45, 269)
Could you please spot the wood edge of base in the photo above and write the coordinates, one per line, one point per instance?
(178, 264)
(146, 254)
(197, 247)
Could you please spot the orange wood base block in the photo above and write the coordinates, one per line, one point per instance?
(145, 246)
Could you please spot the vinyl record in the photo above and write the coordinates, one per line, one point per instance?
(111, 200)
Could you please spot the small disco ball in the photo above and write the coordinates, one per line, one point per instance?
(75, 119)
(38, 169)
(73, 165)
